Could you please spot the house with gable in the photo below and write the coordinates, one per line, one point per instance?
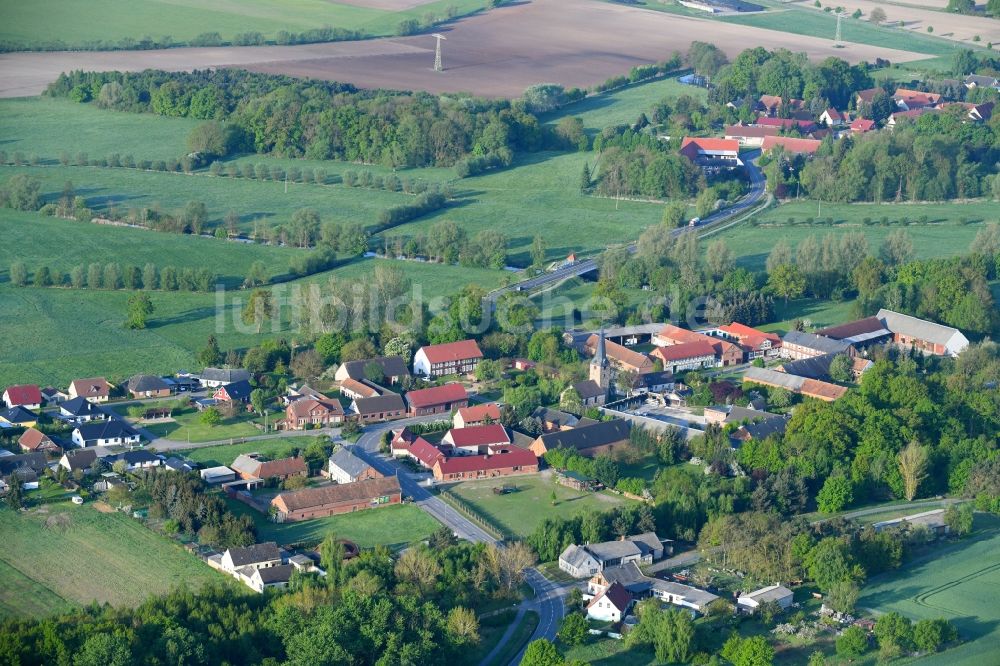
(94, 389)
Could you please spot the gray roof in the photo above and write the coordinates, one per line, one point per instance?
(279, 574)
(134, 457)
(767, 427)
(587, 437)
(917, 328)
(80, 458)
(238, 390)
(258, 552)
(246, 464)
(33, 461)
(816, 342)
(817, 367)
(735, 413)
(692, 595)
(768, 376)
(19, 414)
(143, 383)
(388, 402)
(556, 416)
(576, 557)
(81, 407)
(632, 579)
(610, 550)
(392, 366)
(105, 430)
(345, 460)
(225, 375)
(178, 464)
(589, 389)
(647, 541)
(769, 593)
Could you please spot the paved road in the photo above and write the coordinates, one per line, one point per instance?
(917, 506)
(751, 199)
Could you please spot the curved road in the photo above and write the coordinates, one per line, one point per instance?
(751, 199)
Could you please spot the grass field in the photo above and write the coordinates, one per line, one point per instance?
(522, 511)
(187, 426)
(393, 526)
(95, 557)
(76, 23)
(63, 244)
(960, 582)
(225, 454)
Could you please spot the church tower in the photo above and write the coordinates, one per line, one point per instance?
(600, 369)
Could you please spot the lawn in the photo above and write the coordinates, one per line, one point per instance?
(44, 21)
(960, 582)
(942, 235)
(394, 526)
(522, 511)
(63, 244)
(610, 652)
(187, 426)
(814, 23)
(42, 327)
(93, 557)
(225, 454)
(524, 630)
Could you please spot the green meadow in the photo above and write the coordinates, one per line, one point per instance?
(45, 21)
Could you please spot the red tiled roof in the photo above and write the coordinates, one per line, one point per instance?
(513, 457)
(335, 494)
(360, 388)
(305, 406)
(31, 439)
(92, 387)
(702, 143)
(618, 352)
(283, 467)
(482, 412)
(24, 394)
(437, 395)
(452, 351)
(616, 594)
(791, 145)
(425, 452)
(785, 122)
(685, 350)
(835, 114)
(678, 334)
(750, 336)
(482, 435)
(868, 94)
(862, 125)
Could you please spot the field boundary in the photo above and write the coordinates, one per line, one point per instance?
(475, 514)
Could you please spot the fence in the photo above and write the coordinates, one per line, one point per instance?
(473, 514)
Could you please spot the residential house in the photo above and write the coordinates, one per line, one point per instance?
(925, 336)
(797, 344)
(791, 145)
(358, 388)
(833, 118)
(111, 432)
(257, 556)
(770, 105)
(909, 100)
(900, 116)
(707, 152)
(861, 125)
(252, 466)
(148, 386)
(726, 353)
(35, 440)
(554, 419)
(488, 412)
(81, 410)
(94, 389)
(760, 428)
(276, 577)
(407, 445)
(380, 408)
(591, 393)
(641, 586)
(755, 344)
(345, 467)
(18, 417)
(216, 377)
(751, 601)
(451, 358)
(976, 113)
(588, 440)
(476, 439)
(293, 393)
(337, 499)
(981, 81)
(234, 392)
(23, 395)
(685, 356)
(750, 136)
(393, 369)
(175, 464)
(812, 388)
(78, 459)
(313, 413)
(644, 548)
(621, 357)
(437, 399)
(26, 467)
(501, 462)
(866, 96)
(803, 126)
(136, 460)
(610, 605)
(860, 334)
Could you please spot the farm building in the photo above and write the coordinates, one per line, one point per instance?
(796, 345)
(220, 474)
(685, 356)
(250, 466)
(476, 439)
(503, 462)
(588, 440)
(791, 145)
(641, 586)
(750, 602)
(312, 412)
(488, 412)
(754, 343)
(358, 388)
(380, 408)
(860, 333)
(452, 358)
(621, 357)
(337, 499)
(586, 560)
(437, 399)
(712, 152)
(925, 336)
(812, 388)
(554, 419)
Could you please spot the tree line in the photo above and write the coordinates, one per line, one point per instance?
(113, 275)
(315, 119)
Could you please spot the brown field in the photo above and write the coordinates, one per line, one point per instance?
(497, 53)
(957, 27)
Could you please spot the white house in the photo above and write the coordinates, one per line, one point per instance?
(452, 358)
(257, 556)
(270, 577)
(577, 562)
(105, 433)
(750, 602)
(583, 561)
(611, 605)
(81, 410)
(345, 467)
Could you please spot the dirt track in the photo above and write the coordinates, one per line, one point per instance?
(498, 53)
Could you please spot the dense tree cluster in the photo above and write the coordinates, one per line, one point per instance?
(317, 119)
(184, 499)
